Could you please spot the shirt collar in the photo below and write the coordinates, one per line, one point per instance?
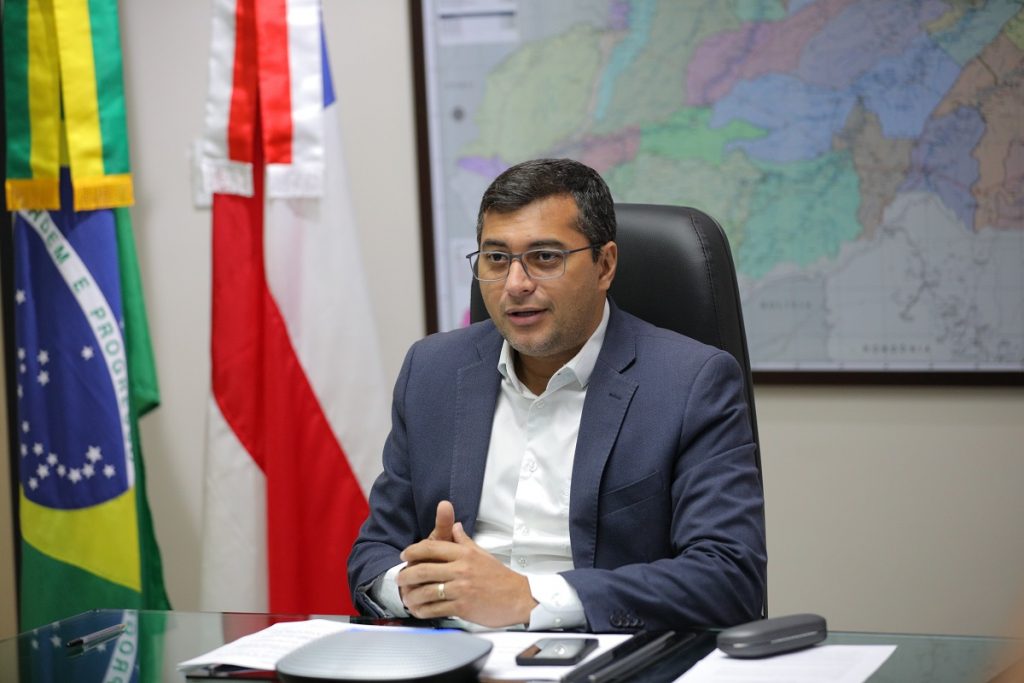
(578, 368)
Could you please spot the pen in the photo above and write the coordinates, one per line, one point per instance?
(90, 639)
(231, 671)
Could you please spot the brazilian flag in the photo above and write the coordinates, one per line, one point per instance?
(84, 365)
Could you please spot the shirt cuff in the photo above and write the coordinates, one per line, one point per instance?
(558, 604)
(385, 593)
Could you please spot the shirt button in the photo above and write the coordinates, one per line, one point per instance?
(522, 561)
(532, 466)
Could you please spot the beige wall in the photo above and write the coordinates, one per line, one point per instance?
(894, 509)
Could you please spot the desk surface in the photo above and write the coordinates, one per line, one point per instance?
(155, 642)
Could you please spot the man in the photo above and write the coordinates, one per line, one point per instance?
(601, 469)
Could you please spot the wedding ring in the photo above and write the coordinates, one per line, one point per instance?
(440, 592)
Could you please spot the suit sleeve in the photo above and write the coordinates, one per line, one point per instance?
(716, 575)
(391, 525)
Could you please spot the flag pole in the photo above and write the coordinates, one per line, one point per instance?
(6, 299)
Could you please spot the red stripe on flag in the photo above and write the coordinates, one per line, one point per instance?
(314, 503)
(243, 91)
(275, 81)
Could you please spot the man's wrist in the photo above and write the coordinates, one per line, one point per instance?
(386, 593)
(558, 604)
(529, 604)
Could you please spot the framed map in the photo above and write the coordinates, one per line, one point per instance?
(865, 157)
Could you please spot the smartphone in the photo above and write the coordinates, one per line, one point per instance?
(556, 651)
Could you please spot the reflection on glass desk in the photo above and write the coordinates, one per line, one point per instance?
(153, 642)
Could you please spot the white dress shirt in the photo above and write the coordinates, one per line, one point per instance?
(523, 519)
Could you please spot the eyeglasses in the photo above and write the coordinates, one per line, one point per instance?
(538, 264)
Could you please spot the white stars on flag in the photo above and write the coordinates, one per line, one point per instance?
(55, 639)
(19, 296)
(65, 454)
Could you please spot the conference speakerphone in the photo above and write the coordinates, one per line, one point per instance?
(387, 656)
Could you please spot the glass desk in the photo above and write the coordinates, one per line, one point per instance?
(154, 642)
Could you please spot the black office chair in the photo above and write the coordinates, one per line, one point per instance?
(676, 271)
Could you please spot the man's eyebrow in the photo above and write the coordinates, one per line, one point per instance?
(536, 244)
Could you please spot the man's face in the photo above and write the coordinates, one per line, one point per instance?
(546, 319)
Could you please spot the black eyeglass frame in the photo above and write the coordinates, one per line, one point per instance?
(519, 257)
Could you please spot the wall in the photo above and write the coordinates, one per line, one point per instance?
(895, 508)
(890, 508)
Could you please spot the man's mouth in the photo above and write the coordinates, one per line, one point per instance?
(524, 315)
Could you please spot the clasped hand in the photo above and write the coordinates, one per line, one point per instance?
(448, 575)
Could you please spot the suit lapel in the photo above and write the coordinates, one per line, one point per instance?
(476, 394)
(604, 409)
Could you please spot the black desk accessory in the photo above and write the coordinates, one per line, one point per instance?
(364, 656)
(774, 636)
(623, 661)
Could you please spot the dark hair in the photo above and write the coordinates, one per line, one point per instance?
(530, 181)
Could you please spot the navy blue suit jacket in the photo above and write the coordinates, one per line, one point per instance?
(666, 517)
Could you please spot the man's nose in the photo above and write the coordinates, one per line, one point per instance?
(517, 279)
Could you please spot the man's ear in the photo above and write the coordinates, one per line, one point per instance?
(608, 261)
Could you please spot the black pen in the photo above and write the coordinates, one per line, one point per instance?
(90, 639)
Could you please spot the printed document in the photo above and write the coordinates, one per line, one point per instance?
(820, 664)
